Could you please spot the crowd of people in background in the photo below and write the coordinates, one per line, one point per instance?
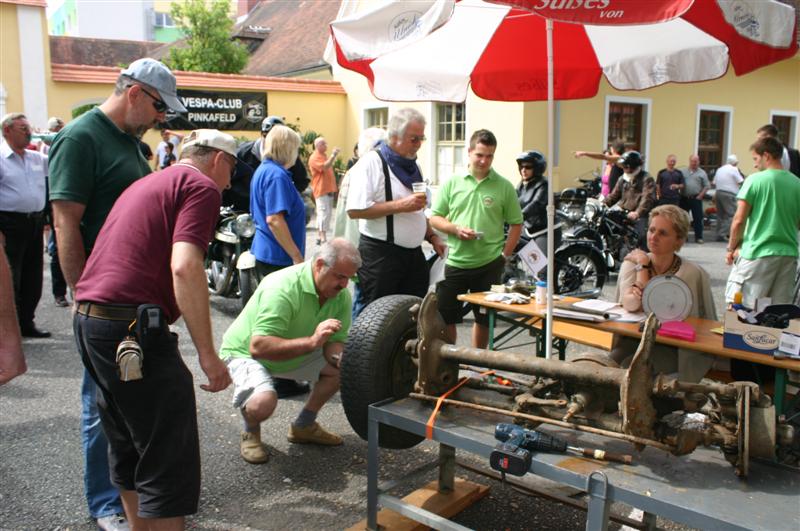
(94, 184)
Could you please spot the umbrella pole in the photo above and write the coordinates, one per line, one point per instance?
(551, 210)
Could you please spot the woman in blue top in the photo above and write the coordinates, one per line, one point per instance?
(276, 205)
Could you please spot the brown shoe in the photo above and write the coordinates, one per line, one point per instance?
(251, 448)
(314, 434)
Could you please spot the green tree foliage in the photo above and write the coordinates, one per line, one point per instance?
(209, 47)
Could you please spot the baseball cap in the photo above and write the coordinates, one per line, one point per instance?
(732, 159)
(155, 74)
(211, 138)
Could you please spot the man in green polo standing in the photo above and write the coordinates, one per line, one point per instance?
(472, 210)
(294, 326)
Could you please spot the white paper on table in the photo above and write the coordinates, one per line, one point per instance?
(595, 305)
(627, 317)
(581, 316)
(534, 258)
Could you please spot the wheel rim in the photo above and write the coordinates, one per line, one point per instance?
(404, 371)
(577, 273)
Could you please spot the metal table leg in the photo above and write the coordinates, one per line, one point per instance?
(780, 389)
(372, 473)
(447, 468)
(492, 313)
(597, 488)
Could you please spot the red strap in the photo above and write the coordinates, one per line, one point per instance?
(432, 418)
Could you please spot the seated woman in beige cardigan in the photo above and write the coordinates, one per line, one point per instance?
(666, 234)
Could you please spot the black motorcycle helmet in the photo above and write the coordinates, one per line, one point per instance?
(535, 158)
(268, 122)
(631, 160)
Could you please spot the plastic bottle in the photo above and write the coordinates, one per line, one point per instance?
(541, 292)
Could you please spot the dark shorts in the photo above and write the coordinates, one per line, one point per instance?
(263, 269)
(460, 281)
(151, 424)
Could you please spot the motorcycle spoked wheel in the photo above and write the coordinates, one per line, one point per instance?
(219, 276)
(376, 365)
(578, 269)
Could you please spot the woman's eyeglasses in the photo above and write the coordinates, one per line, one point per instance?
(158, 103)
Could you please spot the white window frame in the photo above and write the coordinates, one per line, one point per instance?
(433, 127)
(164, 15)
(728, 126)
(648, 108)
(794, 133)
(371, 107)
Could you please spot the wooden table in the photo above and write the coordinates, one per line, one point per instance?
(531, 317)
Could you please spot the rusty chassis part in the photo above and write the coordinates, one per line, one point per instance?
(592, 394)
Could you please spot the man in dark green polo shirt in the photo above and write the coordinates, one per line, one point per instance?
(92, 161)
(472, 210)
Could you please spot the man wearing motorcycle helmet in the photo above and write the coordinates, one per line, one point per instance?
(249, 155)
(532, 194)
(634, 192)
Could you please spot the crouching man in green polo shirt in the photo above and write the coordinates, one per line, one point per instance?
(472, 210)
(294, 327)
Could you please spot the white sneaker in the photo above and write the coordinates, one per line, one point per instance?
(113, 522)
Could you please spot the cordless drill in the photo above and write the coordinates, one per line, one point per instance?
(513, 454)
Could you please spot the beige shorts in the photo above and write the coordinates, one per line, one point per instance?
(771, 276)
(324, 212)
(250, 377)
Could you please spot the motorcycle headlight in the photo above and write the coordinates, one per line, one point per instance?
(591, 210)
(244, 226)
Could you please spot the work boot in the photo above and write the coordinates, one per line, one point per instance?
(314, 434)
(251, 448)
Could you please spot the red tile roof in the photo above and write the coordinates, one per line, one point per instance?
(98, 52)
(297, 38)
(108, 75)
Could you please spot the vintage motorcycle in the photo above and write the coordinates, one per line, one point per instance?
(230, 268)
(580, 265)
(610, 231)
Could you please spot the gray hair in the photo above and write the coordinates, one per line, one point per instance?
(400, 120)
(123, 83)
(197, 153)
(336, 250)
(10, 118)
(54, 122)
(281, 145)
(369, 138)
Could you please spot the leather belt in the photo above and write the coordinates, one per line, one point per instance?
(107, 312)
(28, 215)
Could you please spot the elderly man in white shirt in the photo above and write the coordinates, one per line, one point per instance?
(391, 221)
(23, 193)
(727, 181)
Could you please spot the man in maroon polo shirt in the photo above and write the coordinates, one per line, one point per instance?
(145, 271)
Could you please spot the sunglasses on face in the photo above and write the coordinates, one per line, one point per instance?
(158, 103)
(417, 138)
(525, 167)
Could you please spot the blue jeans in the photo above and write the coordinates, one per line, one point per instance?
(101, 496)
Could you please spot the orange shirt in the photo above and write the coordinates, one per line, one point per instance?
(322, 179)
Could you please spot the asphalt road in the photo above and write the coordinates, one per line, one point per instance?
(302, 487)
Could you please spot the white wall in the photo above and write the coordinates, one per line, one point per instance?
(106, 19)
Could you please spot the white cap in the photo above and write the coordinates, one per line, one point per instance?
(211, 138)
(732, 159)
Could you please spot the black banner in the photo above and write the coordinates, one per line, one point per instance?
(226, 111)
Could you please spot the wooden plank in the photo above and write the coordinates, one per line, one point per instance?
(429, 498)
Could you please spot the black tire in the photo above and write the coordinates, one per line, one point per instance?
(247, 284)
(579, 269)
(375, 365)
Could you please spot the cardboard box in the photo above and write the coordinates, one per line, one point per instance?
(754, 338)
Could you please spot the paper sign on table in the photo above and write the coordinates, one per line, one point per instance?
(533, 257)
(790, 345)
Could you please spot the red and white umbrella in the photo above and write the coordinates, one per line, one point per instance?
(434, 50)
(529, 50)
